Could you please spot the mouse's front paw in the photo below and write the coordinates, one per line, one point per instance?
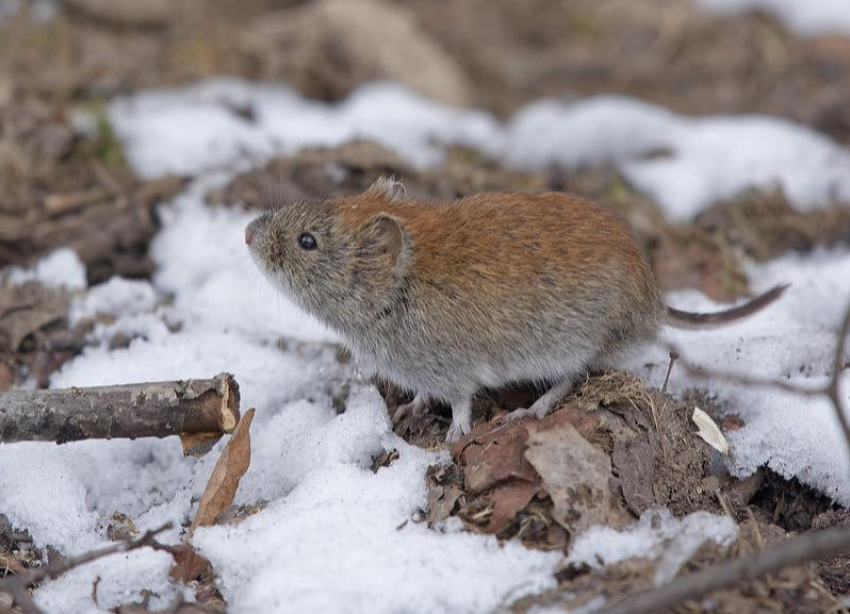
(417, 408)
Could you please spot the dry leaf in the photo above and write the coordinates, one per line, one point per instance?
(492, 454)
(492, 461)
(231, 466)
(189, 566)
(576, 474)
(27, 308)
(709, 431)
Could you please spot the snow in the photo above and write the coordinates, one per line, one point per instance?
(792, 340)
(201, 129)
(369, 555)
(806, 17)
(657, 536)
(61, 268)
(331, 535)
(684, 163)
(118, 295)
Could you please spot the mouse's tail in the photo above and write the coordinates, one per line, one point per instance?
(686, 319)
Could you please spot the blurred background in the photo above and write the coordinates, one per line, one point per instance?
(65, 179)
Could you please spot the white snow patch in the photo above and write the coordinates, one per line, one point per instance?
(793, 340)
(694, 162)
(806, 17)
(598, 130)
(658, 536)
(199, 128)
(61, 268)
(684, 163)
(118, 295)
(121, 578)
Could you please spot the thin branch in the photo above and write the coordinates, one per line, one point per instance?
(833, 391)
(17, 585)
(803, 549)
(705, 373)
(673, 357)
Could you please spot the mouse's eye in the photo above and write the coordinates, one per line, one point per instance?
(307, 241)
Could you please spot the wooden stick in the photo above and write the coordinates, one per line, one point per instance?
(154, 409)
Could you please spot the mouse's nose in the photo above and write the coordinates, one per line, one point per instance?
(250, 231)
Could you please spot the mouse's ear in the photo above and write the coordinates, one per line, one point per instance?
(388, 188)
(386, 238)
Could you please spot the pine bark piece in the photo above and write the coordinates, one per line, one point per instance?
(151, 409)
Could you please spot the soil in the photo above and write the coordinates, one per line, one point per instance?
(64, 181)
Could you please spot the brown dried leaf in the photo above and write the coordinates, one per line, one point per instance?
(189, 566)
(507, 501)
(576, 474)
(492, 454)
(231, 466)
(27, 308)
(492, 461)
(121, 528)
(444, 490)
(198, 444)
(633, 458)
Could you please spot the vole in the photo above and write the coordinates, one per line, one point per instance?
(495, 288)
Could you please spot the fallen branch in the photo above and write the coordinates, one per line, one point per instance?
(17, 585)
(803, 549)
(208, 407)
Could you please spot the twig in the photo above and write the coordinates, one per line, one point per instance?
(744, 380)
(673, 357)
(156, 409)
(833, 391)
(809, 547)
(17, 585)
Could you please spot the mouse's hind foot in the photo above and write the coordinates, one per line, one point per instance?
(543, 406)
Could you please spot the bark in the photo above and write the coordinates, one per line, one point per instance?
(153, 409)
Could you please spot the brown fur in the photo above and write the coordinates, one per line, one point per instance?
(499, 255)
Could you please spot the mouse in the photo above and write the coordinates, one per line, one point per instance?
(445, 299)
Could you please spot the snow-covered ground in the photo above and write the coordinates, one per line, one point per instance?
(333, 536)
